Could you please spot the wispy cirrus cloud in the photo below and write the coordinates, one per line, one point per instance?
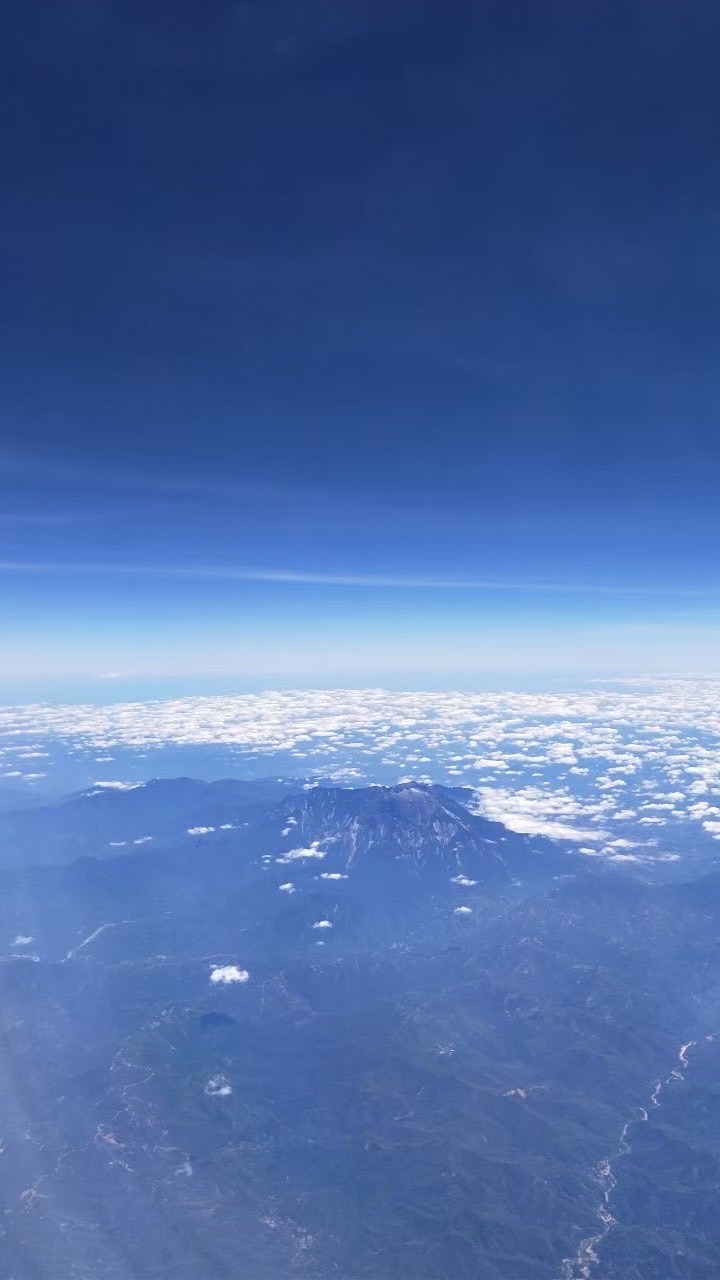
(312, 577)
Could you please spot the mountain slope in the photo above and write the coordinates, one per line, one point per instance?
(106, 818)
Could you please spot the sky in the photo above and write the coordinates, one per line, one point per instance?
(361, 342)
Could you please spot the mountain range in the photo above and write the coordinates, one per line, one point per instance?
(263, 1029)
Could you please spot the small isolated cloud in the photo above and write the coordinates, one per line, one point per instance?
(118, 786)
(463, 911)
(227, 973)
(333, 875)
(463, 880)
(287, 887)
(218, 1087)
(22, 940)
(296, 855)
(142, 840)
(199, 831)
(322, 924)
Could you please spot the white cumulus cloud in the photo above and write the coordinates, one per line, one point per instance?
(228, 973)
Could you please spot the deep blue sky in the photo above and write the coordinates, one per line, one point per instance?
(405, 290)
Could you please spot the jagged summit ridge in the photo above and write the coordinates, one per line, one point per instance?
(419, 822)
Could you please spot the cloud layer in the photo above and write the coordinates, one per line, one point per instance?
(623, 768)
